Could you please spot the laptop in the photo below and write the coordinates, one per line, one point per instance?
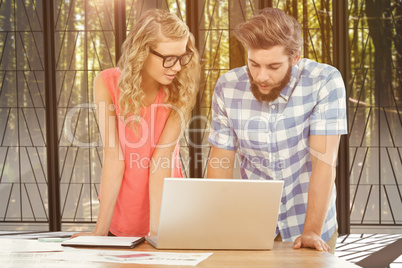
(218, 214)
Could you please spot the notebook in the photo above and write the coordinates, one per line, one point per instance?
(218, 214)
(103, 241)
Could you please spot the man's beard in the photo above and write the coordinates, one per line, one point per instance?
(274, 92)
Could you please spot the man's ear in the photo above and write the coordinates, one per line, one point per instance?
(296, 58)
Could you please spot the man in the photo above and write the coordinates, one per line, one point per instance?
(283, 116)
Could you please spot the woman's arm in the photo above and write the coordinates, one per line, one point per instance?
(113, 160)
(161, 166)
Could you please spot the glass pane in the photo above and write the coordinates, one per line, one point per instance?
(23, 168)
(375, 120)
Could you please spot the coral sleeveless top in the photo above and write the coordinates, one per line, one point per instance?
(131, 213)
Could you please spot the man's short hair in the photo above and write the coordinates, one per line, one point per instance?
(271, 27)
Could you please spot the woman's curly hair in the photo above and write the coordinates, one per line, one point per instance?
(153, 26)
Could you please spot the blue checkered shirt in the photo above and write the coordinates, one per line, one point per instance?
(272, 138)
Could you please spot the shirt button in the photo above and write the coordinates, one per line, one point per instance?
(269, 132)
(283, 224)
(273, 107)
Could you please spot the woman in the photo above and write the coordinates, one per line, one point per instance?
(142, 107)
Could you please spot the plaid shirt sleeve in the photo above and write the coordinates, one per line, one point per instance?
(222, 134)
(329, 114)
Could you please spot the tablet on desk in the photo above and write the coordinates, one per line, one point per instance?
(103, 241)
(218, 214)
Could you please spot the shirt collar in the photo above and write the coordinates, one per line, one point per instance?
(288, 89)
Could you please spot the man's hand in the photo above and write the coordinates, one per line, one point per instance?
(311, 240)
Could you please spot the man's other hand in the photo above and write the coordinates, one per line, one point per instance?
(311, 240)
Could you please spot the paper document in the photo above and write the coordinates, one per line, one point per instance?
(21, 245)
(138, 257)
(161, 258)
(103, 241)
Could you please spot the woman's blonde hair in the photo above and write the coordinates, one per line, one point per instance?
(153, 27)
(271, 27)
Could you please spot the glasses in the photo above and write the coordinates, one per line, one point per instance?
(170, 60)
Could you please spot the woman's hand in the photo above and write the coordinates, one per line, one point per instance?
(87, 234)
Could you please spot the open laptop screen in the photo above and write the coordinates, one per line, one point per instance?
(218, 214)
